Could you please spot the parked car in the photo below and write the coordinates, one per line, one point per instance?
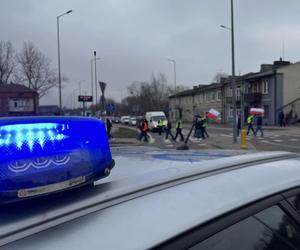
(116, 119)
(125, 120)
(132, 121)
(153, 117)
(169, 200)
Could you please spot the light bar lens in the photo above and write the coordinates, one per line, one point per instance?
(38, 151)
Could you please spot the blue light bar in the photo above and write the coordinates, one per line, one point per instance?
(41, 151)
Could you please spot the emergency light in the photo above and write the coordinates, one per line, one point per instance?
(40, 155)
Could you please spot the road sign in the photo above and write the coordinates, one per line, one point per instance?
(102, 87)
(85, 98)
(110, 107)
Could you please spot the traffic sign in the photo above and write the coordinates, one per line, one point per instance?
(102, 87)
(110, 107)
(85, 98)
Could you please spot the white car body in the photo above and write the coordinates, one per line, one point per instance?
(153, 118)
(125, 120)
(152, 197)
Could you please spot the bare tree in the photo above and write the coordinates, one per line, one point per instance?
(217, 78)
(7, 61)
(35, 70)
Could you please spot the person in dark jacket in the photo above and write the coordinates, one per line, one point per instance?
(108, 127)
(259, 123)
(169, 130)
(198, 128)
(239, 125)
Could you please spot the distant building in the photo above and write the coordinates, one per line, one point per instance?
(275, 88)
(18, 100)
(196, 101)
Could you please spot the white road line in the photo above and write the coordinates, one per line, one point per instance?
(276, 144)
(293, 139)
(170, 145)
(152, 140)
(278, 140)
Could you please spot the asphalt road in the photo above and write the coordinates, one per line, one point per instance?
(221, 138)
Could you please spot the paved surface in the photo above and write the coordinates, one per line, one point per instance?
(220, 137)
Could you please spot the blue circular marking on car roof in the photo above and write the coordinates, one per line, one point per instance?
(190, 157)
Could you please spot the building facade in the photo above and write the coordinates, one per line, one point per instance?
(18, 100)
(275, 88)
(196, 101)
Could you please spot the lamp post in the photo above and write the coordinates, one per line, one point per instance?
(58, 52)
(233, 84)
(96, 81)
(175, 83)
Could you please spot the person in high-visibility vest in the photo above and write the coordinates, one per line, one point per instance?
(179, 130)
(250, 121)
(204, 126)
(160, 126)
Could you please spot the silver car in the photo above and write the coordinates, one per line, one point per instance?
(169, 200)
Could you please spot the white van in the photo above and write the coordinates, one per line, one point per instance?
(153, 117)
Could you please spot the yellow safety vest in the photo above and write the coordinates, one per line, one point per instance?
(250, 119)
(179, 124)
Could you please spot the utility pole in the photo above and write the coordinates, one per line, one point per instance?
(233, 84)
(96, 82)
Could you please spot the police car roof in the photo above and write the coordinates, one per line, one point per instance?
(166, 192)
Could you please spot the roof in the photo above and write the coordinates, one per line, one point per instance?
(150, 187)
(12, 88)
(198, 89)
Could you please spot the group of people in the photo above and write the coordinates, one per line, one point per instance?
(200, 124)
(250, 125)
(144, 129)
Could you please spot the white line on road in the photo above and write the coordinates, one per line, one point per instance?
(293, 139)
(278, 140)
(280, 145)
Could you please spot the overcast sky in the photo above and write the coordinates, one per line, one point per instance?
(134, 38)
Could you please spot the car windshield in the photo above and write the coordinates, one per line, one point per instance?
(157, 118)
(84, 84)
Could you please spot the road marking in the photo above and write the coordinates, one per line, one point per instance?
(167, 141)
(170, 145)
(278, 140)
(276, 144)
(152, 140)
(293, 139)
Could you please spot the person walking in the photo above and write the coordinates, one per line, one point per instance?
(199, 128)
(250, 121)
(204, 126)
(281, 119)
(160, 125)
(259, 123)
(108, 128)
(169, 130)
(178, 130)
(144, 130)
(239, 125)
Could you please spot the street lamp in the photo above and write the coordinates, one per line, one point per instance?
(175, 83)
(96, 81)
(58, 52)
(233, 87)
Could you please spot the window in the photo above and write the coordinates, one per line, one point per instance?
(265, 87)
(269, 229)
(219, 95)
(229, 92)
(213, 96)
